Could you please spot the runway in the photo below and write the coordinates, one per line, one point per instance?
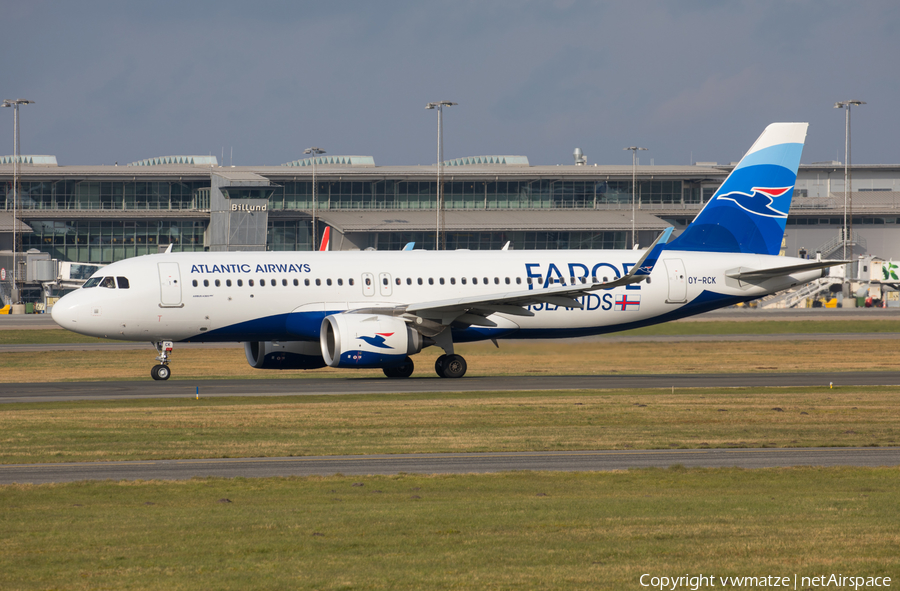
(121, 390)
(576, 461)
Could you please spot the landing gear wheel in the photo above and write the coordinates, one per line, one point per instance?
(160, 372)
(439, 365)
(400, 371)
(453, 366)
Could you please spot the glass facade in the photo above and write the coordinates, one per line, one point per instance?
(289, 235)
(114, 195)
(496, 240)
(109, 241)
(533, 194)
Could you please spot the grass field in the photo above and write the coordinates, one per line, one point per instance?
(594, 357)
(457, 422)
(499, 531)
(523, 530)
(712, 327)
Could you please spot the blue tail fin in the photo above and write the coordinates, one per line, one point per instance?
(749, 211)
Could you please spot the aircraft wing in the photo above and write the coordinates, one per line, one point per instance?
(476, 309)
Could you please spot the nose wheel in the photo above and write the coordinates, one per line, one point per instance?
(162, 371)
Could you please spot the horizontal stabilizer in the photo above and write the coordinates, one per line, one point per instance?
(758, 274)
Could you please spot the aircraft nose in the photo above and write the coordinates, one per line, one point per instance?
(64, 312)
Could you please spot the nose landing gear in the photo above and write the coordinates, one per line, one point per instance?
(162, 371)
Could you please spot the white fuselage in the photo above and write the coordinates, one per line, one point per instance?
(283, 296)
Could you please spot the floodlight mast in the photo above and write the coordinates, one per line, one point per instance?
(440, 165)
(848, 199)
(315, 154)
(14, 103)
(634, 151)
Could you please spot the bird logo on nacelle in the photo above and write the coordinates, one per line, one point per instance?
(378, 340)
(759, 201)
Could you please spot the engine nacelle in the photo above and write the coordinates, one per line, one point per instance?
(367, 340)
(284, 355)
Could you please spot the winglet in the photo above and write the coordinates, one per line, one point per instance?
(409, 246)
(645, 265)
(326, 239)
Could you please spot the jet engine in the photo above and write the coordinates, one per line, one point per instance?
(367, 340)
(284, 355)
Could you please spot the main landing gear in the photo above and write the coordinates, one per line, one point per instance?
(400, 371)
(450, 366)
(162, 371)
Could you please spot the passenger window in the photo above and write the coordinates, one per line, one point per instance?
(228, 283)
(108, 282)
(419, 281)
(328, 282)
(218, 283)
(284, 282)
(123, 282)
(262, 283)
(485, 280)
(296, 282)
(250, 283)
(350, 281)
(384, 281)
(474, 280)
(453, 281)
(518, 281)
(240, 283)
(194, 283)
(340, 281)
(442, 281)
(507, 280)
(318, 282)
(368, 281)
(431, 281)
(409, 280)
(497, 281)
(397, 281)
(306, 282)
(206, 283)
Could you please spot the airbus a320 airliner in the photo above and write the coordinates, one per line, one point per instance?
(305, 310)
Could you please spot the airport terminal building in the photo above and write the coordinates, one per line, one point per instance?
(101, 214)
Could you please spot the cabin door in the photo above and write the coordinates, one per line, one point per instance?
(677, 281)
(169, 285)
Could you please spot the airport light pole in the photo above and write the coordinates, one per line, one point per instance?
(848, 200)
(14, 103)
(634, 151)
(315, 154)
(440, 166)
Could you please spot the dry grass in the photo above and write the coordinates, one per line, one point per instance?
(464, 422)
(513, 358)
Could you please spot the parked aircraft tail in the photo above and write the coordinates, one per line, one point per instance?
(326, 239)
(749, 211)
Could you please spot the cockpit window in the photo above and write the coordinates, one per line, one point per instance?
(123, 282)
(92, 282)
(109, 282)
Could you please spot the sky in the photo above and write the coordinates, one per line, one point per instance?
(691, 80)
